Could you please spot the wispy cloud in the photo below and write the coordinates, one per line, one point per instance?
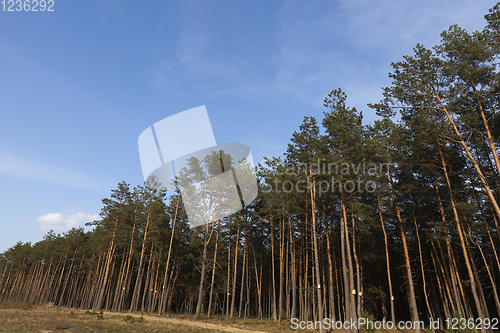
(61, 222)
(191, 47)
(351, 43)
(196, 57)
(372, 23)
(317, 47)
(27, 168)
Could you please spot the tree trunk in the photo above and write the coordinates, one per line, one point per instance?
(388, 266)
(235, 273)
(411, 289)
(312, 190)
(164, 293)
(138, 280)
(462, 242)
(213, 272)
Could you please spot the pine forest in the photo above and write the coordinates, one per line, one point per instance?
(395, 220)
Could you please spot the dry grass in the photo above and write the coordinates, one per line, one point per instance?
(28, 318)
(53, 319)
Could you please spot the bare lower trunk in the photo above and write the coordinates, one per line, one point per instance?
(388, 266)
(213, 272)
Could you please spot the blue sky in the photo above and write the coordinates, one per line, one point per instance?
(79, 85)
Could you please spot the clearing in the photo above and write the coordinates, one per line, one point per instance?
(15, 318)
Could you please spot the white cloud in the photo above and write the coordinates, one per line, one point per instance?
(62, 222)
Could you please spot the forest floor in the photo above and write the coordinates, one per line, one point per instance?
(45, 319)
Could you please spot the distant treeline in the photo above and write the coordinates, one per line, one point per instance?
(418, 239)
